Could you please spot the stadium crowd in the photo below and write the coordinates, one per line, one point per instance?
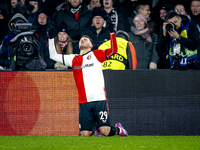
(165, 34)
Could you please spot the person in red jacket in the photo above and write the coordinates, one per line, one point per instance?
(87, 70)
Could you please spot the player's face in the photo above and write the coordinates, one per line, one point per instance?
(177, 21)
(84, 43)
(62, 36)
(195, 7)
(139, 24)
(98, 22)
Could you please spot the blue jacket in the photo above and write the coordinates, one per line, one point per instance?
(4, 51)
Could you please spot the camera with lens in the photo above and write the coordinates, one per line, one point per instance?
(25, 49)
(170, 26)
(176, 61)
(25, 37)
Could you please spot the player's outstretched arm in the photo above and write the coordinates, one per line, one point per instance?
(52, 50)
(113, 43)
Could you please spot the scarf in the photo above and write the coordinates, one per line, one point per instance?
(143, 33)
(63, 45)
(75, 10)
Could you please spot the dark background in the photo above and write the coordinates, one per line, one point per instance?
(155, 102)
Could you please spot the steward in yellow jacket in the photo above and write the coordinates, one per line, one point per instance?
(125, 58)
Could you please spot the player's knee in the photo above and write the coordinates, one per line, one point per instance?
(86, 133)
(105, 130)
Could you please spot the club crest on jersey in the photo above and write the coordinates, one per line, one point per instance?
(89, 57)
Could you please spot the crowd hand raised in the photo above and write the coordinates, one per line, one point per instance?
(51, 32)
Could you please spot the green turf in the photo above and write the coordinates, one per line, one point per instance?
(95, 143)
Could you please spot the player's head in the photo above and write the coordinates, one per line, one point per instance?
(85, 42)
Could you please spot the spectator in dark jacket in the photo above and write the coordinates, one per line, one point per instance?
(16, 6)
(41, 34)
(34, 13)
(126, 7)
(97, 32)
(76, 15)
(144, 42)
(115, 21)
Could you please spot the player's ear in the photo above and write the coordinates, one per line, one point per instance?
(91, 45)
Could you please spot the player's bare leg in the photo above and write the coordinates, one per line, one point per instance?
(86, 133)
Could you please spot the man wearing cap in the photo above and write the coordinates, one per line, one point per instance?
(87, 70)
(4, 49)
(97, 32)
(125, 58)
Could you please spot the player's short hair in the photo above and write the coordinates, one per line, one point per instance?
(88, 38)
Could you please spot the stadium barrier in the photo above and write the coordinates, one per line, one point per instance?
(146, 102)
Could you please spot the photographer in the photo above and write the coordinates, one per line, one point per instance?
(177, 46)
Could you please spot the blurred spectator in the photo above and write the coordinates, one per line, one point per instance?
(41, 34)
(3, 22)
(97, 32)
(63, 45)
(34, 13)
(94, 3)
(115, 21)
(16, 6)
(180, 9)
(125, 58)
(49, 6)
(126, 7)
(76, 15)
(161, 10)
(144, 42)
(142, 8)
(195, 11)
(4, 50)
(179, 45)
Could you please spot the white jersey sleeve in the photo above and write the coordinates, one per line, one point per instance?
(67, 59)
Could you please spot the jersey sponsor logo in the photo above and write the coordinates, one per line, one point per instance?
(84, 66)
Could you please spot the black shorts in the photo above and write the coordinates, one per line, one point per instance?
(92, 113)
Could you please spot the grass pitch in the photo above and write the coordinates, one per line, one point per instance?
(96, 143)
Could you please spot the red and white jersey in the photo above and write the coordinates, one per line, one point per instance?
(87, 70)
